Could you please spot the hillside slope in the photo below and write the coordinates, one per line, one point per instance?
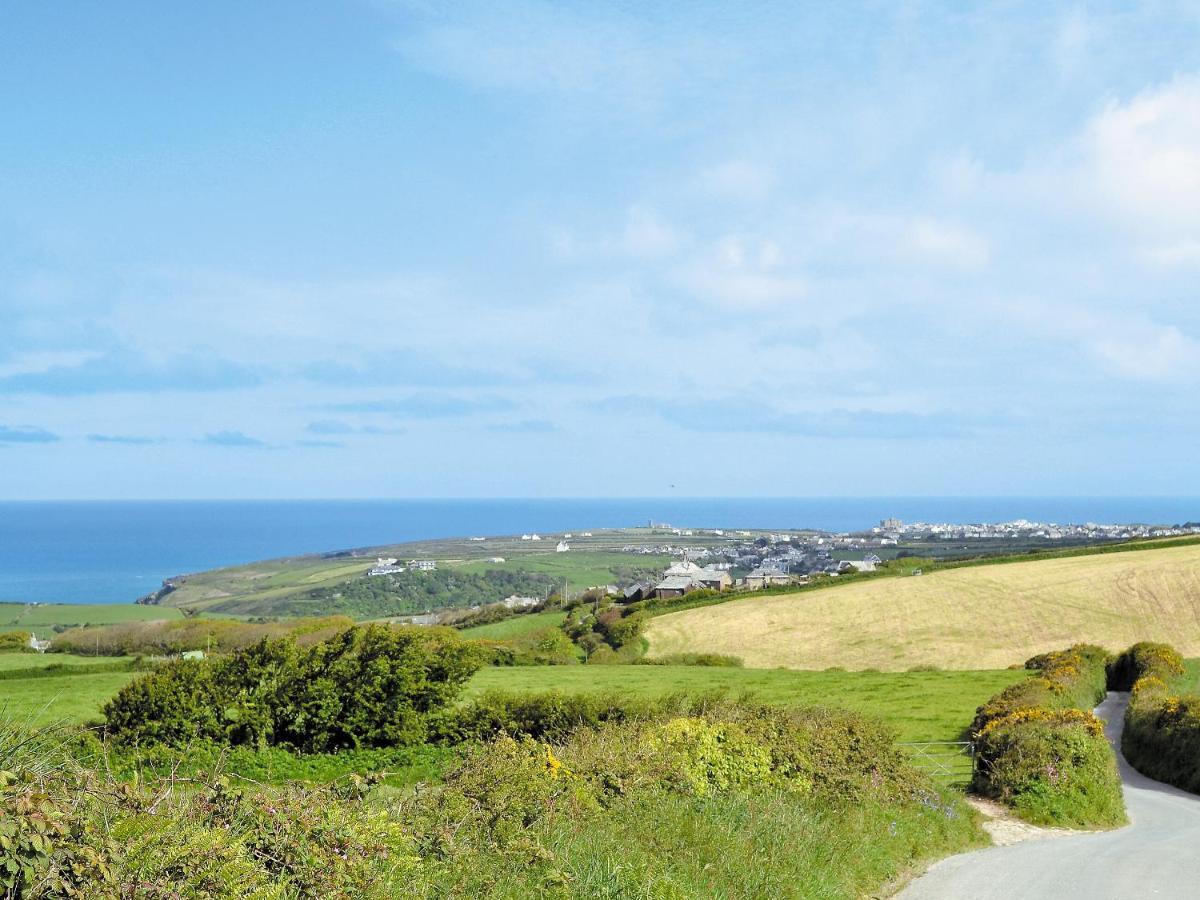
(979, 617)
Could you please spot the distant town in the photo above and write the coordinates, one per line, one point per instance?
(683, 560)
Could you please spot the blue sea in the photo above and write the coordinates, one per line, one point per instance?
(114, 552)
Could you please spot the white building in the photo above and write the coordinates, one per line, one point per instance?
(515, 602)
(562, 547)
(385, 567)
(423, 565)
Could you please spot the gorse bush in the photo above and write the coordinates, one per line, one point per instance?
(689, 798)
(81, 836)
(1162, 728)
(1143, 660)
(1040, 749)
(731, 800)
(14, 641)
(367, 687)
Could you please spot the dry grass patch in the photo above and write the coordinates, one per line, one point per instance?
(970, 618)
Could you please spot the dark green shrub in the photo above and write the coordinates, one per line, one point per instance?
(550, 716)
(367, 687)
(718, 660)
(1144, 659)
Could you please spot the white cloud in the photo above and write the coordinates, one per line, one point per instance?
(541, 48)
(741, 272)
(944, 242)
(1145, 156)
(738, 180)
(648, 235)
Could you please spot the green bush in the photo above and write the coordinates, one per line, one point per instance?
(366, 687)
(548, 716)
(1162, 729)
(719, 660)
(1039, 748)
(1053, 768)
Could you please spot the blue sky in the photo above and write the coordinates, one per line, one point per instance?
(598, 249)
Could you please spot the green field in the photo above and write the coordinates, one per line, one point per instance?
(922, 706)
(581, 569)
(515, 627)
(10, 661)
(70, 698)
(44, 616)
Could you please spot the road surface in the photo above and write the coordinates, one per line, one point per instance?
(1157, 855)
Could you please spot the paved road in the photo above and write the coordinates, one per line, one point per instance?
(1158, 855)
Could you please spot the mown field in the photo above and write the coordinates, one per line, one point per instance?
(981, 616)
(44, 616)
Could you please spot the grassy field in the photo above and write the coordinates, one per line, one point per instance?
(581, 568)
(923, 706)
(990, 616)
(43, 616)
(514, 627)
(70, 698)
(10, 661)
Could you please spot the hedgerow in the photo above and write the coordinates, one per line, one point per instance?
(1040, 749)
(1162, 728)
(702, 798)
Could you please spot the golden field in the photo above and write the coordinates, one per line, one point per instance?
(982, 617)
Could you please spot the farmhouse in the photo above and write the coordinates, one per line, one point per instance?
(637, 591)
(714, 579)
(422, 565)
(515, 602)
(762, 578)
(674, 586)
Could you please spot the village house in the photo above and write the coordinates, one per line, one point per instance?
(713, 579)
(763, 578)
(674, 586)
(515, 602)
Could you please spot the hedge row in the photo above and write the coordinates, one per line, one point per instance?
(732, 801)
(1041, 750)
(1162, 728)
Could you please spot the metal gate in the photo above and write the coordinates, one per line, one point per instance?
(944, 760)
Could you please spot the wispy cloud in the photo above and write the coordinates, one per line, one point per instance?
(126, 371)
(130, 439)
(26, 435)
(231, 439)
(751, 416)
(525, 426)
(422, 406)
(338, 427)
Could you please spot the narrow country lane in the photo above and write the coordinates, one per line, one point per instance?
(1157, 855)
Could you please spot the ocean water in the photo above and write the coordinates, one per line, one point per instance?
(114, 552)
